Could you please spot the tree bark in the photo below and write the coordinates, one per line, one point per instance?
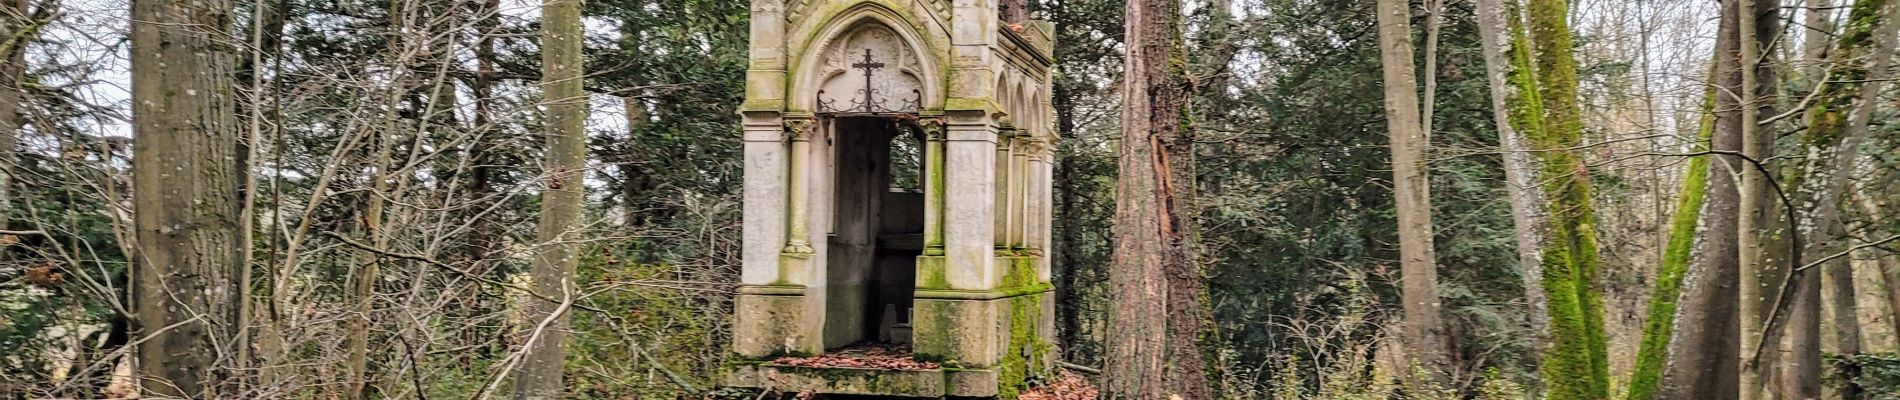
(1836, 124)
(557, 253)
(635, 185)
(1068, 301)
(1498, 42)
(12, 71)
(1757, 28)
(186, 182)
(1155, 283)
(1424, 336)
(1576, 366)
(1701, 338)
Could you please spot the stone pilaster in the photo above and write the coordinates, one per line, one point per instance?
(1019, 184)
(1004, 175)
(798, 237)
(933, 128)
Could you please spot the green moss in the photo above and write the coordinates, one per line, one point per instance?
(1575, 362)
(1023, 360)
(934, 176)
(1646, 380)
(1826, 119)
(979, 104)
(931, 273)
(1021, 273)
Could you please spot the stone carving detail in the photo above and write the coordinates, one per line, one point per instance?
(1037, 147)
(933, 129)
(795, 11)
(800, 129)
(896, 83)
(940, 7)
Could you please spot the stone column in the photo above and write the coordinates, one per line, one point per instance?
(969, 221)
(1036, 231)
(765, 198)
(798, 209)
(1001, 197)
(1019, 194)
(933, 182)
(765, 72)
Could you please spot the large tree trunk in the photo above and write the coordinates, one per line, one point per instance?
(186, 180)
(1576, 365)
(1500, 37)
(557, 251)
(1423, 331)
(1836, 123)
(1155, 282)
(1701, 335)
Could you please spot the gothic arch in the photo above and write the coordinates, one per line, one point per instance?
(893, 41)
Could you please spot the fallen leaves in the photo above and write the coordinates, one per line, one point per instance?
(1066, 386)
(863, 355)
(44, 275)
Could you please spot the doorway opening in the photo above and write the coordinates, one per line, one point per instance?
(876, 232)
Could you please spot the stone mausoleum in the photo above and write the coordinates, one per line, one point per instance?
(897, 194)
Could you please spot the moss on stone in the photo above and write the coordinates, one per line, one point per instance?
(1025, 356)
(1021, 272)
(932, 273)
(981, 104)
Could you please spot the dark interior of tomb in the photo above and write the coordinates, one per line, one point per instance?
(877, 231)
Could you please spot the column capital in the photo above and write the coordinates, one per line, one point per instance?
(800, 128)
(1037, 147)
(932, 127)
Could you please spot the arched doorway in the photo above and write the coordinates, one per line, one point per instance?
(876, 230)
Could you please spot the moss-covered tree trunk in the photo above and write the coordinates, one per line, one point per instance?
(1836, 121)
(1499, 34)
(1154, 284)
(1682, 245)
(186, 178)
(1690, 341)
(1423, 332)
(557, 248)
(1575, 366)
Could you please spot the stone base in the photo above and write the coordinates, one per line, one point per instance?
(928, 383)
(770, 321)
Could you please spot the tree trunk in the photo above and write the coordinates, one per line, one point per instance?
(1757, 28)
(1068, 311)
(557, 253)
(1576, 366)
(1838, 281)
(1701, 341)
(12, 71)
(186, 180)
(1424, 332)
(634, 185)
(1499, 42)
(1155, 283)
(1836, 123)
